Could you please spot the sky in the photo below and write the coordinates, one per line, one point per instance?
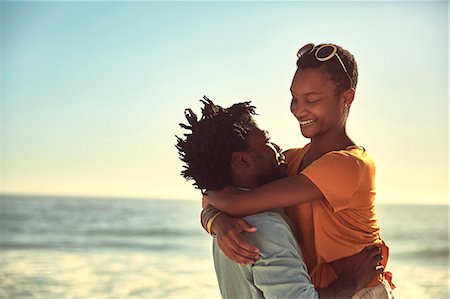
(92, 92)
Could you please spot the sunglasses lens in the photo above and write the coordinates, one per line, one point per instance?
(325, 52)
(305, 49)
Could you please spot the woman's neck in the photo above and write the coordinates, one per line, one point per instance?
(321, 145)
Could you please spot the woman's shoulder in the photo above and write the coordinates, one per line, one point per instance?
(352, 155)
(293, 158)
(296, 151)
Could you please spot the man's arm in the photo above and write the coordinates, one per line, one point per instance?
(281, 271)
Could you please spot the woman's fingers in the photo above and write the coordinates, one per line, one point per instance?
(233, 256)
(237, 241)
(251, 254)
(236, 253)
(237, 248)
(232, 242)
(244, 259)
(241, 246)
(245, 226)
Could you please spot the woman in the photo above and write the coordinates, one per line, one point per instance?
(329, 194)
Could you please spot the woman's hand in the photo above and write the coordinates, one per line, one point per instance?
(228, 232)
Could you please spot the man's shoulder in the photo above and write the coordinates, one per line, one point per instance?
(271, 228)
(268, 217)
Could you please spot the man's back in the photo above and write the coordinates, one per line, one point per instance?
(279, 273)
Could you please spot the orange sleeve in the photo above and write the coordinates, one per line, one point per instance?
(337, 175)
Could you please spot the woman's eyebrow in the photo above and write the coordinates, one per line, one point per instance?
(308, 93)
(312, 93)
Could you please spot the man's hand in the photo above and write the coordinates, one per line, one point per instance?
(361, 268)
(228, 231)
(354, 273)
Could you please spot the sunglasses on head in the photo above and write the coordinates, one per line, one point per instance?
(323, 53)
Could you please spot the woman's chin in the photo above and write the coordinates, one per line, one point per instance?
(308, 132)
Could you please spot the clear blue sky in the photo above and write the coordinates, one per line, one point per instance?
(92, 92)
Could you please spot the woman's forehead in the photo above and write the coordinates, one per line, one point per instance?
(311, 81)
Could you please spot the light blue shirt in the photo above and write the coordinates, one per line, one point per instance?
(279, 273)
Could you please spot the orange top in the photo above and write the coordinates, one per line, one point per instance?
(345, 222)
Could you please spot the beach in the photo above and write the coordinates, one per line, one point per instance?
(69, 247)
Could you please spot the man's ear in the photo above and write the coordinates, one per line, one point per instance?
(240, 160)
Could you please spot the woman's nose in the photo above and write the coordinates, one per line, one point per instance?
(297, 108)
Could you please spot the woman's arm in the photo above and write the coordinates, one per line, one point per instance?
(282, 193)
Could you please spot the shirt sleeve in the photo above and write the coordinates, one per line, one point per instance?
(337, 175)
(281, 271)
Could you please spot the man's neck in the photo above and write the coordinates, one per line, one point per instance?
(243, 188)
(247, 183)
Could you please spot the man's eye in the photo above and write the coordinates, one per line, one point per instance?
(312, 101)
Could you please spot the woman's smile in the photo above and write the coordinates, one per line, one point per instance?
(307, 123)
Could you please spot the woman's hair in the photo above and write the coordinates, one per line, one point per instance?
(333, 67)
(207, 149)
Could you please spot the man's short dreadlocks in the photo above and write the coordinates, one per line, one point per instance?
(207, 150)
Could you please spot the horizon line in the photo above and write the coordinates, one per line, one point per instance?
(119, 197)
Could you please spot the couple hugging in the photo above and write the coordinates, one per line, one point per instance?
(297, 224)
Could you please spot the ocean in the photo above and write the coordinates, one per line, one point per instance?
(70, 247)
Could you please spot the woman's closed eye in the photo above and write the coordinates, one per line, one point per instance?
(312, 101)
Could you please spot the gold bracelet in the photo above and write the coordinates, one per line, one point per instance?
(206, 214)
(210, 222)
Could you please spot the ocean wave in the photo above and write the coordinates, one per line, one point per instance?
(155, 232)
(125, 232)
(133, 246)
(426, 253)
(431, 234)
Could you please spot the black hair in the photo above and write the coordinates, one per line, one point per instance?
(207, 149)
(333, 67)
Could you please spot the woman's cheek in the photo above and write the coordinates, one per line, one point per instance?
(293, 106)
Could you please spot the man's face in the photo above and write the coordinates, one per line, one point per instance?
(268, 162)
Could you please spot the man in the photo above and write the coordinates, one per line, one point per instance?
(226, 148)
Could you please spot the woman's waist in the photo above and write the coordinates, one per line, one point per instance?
(322, 272)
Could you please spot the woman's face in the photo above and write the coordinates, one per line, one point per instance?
(315, 105)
